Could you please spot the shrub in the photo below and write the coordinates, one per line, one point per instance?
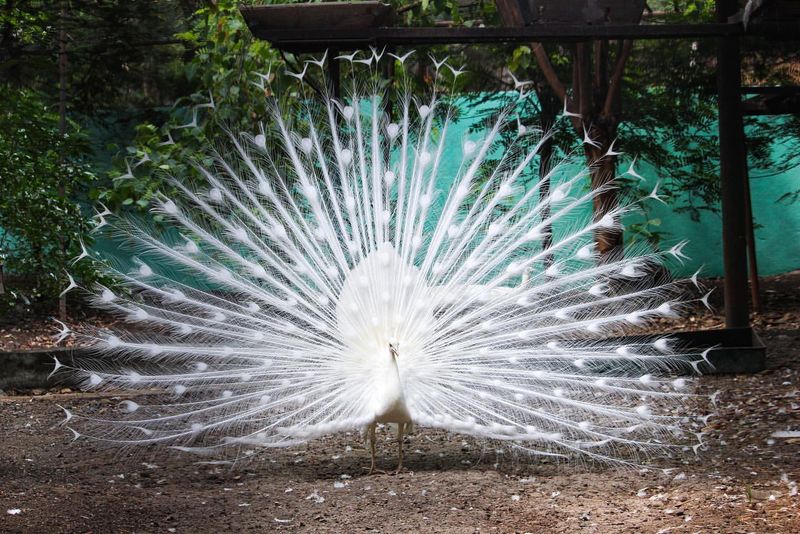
(42, 221)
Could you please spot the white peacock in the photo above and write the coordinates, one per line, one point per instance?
(330, 275)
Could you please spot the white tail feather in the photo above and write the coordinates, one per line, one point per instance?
(267, 317)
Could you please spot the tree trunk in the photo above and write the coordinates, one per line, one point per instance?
(596, 103)
(603, 171)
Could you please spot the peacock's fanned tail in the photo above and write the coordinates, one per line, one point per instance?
(262, 310)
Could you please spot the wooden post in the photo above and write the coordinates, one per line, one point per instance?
(752, 259)
(62, 130)
(732, 175)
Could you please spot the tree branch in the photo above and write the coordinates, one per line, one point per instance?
(549, 72)
(615, 84)
(583, 61)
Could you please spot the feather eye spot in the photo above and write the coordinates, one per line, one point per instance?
(662, 345)
(495, 229)
(607, 221)
(134, 377)
(346, 157)
(348, 112)
(145, 270)
(215, 194)
(598, 290)
(130, 406)
(169, 207)
(311, 193)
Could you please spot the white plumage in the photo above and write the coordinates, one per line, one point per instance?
(327, 276)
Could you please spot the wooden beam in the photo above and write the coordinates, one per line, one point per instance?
(341, 16)
(732, 173)
(764, 105)
(318, 39)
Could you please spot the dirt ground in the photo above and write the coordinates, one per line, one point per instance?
(744, 481)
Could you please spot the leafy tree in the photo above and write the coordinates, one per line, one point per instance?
(225, 94)
(663, 110)
(96, 59)
(121, 54)
(36, 161)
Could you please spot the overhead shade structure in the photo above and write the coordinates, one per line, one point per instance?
(315, 27)
(305, 27)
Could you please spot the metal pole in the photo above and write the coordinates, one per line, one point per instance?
(732, 175)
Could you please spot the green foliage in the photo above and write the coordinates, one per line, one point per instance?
(43, 177)
(221, 74)
(224, 67)
(121, 54)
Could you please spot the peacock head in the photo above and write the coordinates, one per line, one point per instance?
(394, 349)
